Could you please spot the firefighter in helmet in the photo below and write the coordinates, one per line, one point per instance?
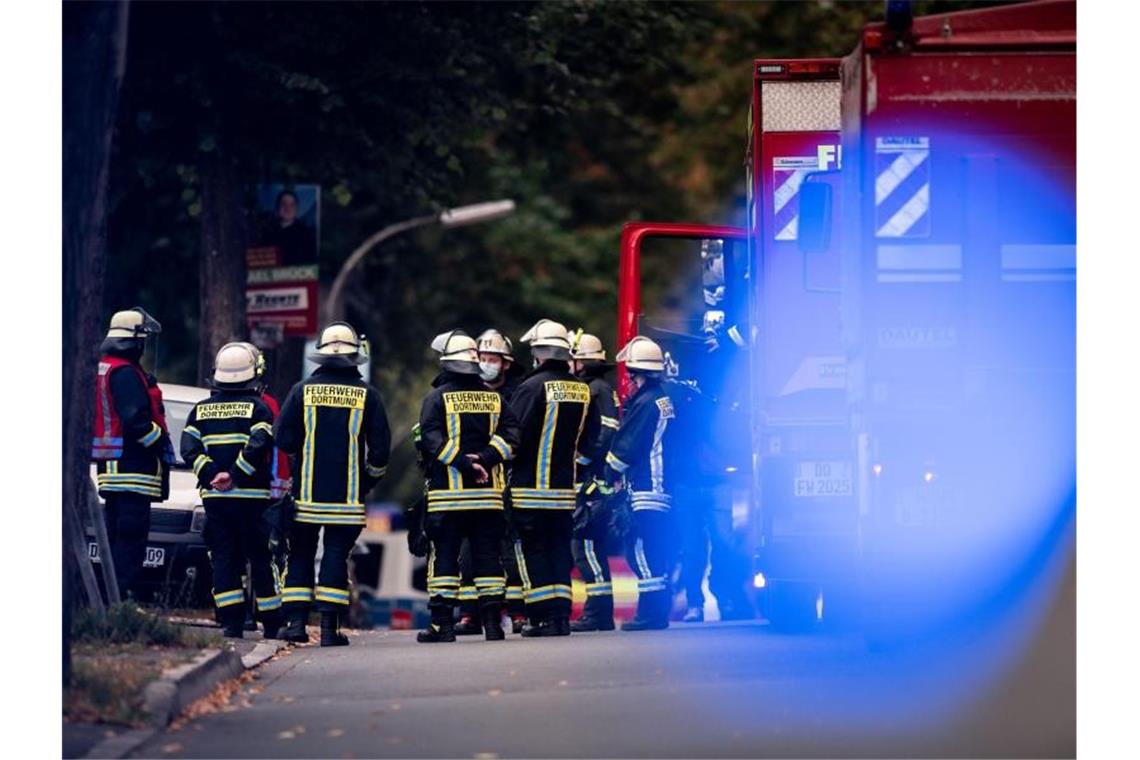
(641, 454)
(131, 446)
(591, 519)
(467, 433)
(335, 426)
(228, 441)
(557, 423)
(498, 372)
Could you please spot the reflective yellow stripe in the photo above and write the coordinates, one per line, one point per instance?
(501, 446)
(376, 472)
(307, 454)
(152, 435)
(193, 431)
(201, 462)
(546, 445)
(262, 426)
(610, 422)
(243, 465)
(225, 439)
(452, 450)
(355, 417)
(616, 463)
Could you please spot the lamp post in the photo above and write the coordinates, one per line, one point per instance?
(452, 217)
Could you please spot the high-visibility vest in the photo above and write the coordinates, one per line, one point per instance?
(107, 442)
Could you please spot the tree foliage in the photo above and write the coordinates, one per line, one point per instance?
(588, 114)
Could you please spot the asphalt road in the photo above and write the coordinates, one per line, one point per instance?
(715, 690)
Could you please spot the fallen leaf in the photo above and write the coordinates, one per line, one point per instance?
(494, 693)
(287, 700)
(334, 732)
(298, 729)
(286, 735)
(485, 756)
(172, 747)
(395, 706)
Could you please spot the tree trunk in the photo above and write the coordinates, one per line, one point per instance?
(94, 58)
(221, 269)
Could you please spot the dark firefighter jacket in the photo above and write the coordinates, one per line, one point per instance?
(603, 397)
(232, 431)
(139, 467)
(335, 425)
(556, 424)
(461, 417)
(643, 451)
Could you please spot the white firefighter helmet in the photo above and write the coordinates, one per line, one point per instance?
(133, 323)
(236, 364)
(642, 354)
(260, 357)
(547, 333)
(339, 344)
(458, 352)
(587, 346)
(494, 342)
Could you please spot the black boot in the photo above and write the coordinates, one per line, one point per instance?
(271, 623)
(232, 619)
(589, 623)
(441, 629)
(295, 630)
(645, 624)
(542, 629)
(468, 625)
(561, 625)
(517, 623)
(330, 630)
(493, 624)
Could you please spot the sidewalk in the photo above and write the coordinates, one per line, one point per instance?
(124, 690)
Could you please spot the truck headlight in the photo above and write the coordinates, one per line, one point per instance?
(198, 521)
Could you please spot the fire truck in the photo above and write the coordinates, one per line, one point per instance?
(890, 338)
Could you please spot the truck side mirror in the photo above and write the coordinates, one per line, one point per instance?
(814, 233)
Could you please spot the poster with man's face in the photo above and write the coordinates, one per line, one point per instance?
(282, 261)
(286, 222)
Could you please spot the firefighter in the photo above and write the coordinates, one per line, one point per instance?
(496, 367)
(500, 373)
(557, 423)
(335, 425)
(591, 521)
(641, 455)
(131, 446)
(466, 435)
(228, 441)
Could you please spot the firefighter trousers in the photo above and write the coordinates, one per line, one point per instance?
(236, 533)
(591, 556)
(468, 593)
(483, 531)
(127, 516)
(330, 591)
(650, 554)
(545, 561)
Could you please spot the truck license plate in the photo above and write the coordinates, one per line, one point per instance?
(155, 555)
(822, 479)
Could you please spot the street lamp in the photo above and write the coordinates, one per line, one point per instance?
(452, 217)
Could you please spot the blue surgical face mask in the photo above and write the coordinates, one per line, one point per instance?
(489, 371)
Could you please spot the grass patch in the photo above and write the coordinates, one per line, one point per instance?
(115, 657)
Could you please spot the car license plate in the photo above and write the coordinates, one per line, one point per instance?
(822, 479)
(155, 555)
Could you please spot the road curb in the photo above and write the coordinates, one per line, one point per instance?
(166, 698)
